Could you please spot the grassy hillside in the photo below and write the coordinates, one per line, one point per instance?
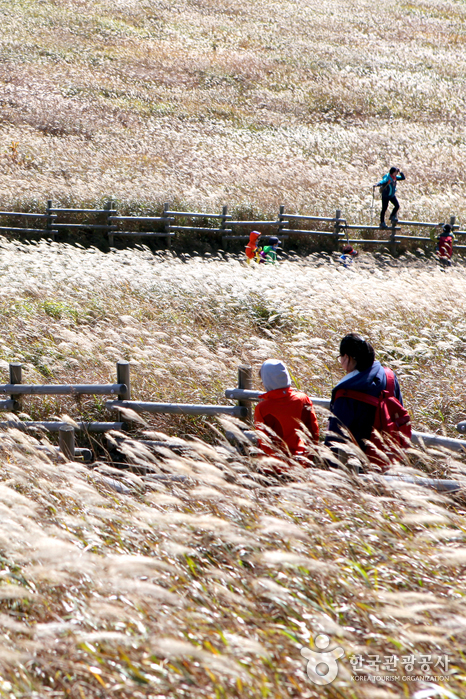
(210, 586)
(206, 102)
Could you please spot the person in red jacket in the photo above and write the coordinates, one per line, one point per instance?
(445, 246)
(251, 247)
(284, 410)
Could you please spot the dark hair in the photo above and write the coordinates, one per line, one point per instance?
(446, 229)
(359, 349)
(393, 169)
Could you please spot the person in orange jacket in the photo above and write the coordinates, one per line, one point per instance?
(284, 410)
(251, 247)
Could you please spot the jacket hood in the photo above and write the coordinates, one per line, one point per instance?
(274, 374)
(253, 236)
(371, 381)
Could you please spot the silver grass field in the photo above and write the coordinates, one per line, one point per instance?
(207, 102)
(193, 572)
(200, 574)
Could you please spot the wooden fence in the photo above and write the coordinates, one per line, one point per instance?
(243, 394)
(16, 391)
(108, 222)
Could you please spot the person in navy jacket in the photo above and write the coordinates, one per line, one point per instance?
(365, 374)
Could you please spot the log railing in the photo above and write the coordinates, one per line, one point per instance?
(243, 394)
(220, 225)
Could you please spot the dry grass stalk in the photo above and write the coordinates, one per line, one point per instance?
(212, 587)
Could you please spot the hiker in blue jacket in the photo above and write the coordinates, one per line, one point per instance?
(363, 373)
(388, 189)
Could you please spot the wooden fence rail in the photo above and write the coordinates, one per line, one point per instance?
(165, 226)
(253, 396)
(63, 390)
(177, 408)
(51, 426)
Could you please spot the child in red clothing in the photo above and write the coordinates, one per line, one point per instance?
(251, 247)
(284, 410)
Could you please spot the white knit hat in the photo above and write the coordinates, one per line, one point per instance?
(274, 374)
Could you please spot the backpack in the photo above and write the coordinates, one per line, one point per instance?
(392, 420)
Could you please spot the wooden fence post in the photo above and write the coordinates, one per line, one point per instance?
(337, 227)
(223, 223)
(109, 207)
(452, 222)
(245, 382)
(392, 241)
(123, 376)
(280, 222)
(166, 207)
(225, 243)
(66, 441)
(16, 371)
(49, 220)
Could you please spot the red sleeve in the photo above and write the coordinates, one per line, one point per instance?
(309, 419)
